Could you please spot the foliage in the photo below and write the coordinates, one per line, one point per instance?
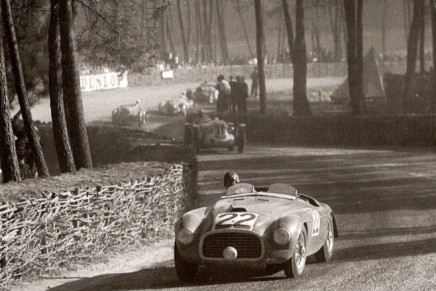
(121, 36)
(31, 20)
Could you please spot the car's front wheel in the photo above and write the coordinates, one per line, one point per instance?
(326, 252)
(295, 266)
(185, 271)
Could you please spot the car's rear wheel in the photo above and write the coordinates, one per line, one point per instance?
(295, 266)
(326, 252)
(185, 271)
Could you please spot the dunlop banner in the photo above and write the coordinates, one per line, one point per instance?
(103, 81)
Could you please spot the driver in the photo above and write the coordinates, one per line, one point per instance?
(230, 178)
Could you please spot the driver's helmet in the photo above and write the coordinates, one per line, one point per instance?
(230, 178)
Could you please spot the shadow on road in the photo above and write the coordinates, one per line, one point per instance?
(349, 183)
(158, 278)
(386, 250)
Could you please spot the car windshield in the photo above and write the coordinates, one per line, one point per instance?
(278, 190)
(242, 188)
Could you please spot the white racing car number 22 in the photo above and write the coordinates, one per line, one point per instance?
(236, 220)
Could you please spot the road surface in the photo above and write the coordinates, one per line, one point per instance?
(385, 206)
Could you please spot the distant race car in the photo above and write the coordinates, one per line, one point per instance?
(206, 93)
(176, 106)
(272, 228)
(126, 114)
(215, 133)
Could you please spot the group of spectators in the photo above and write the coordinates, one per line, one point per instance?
(233, 94)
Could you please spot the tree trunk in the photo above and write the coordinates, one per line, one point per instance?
(279, 40)
(260, 54)
(433, 31)
(301, 103)
(422, 40)
(8, 154)
(71, 87)
(21, 89)
(353, 16)
(289, 29)
(384, 29)
(60, 132)
(163, 39)
(189, 30)
(207, 32)
(222, 32)
(182, 31)
(169, 18)
(412, 53)
(200, 33)
(247, 39)
(336, 22)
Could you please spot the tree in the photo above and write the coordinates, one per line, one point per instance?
(336, 17)
(247, 39)
(353, 17)
(433, 30)
(185, 41)
(60, 132)
(289, 28)
(8, 155)
(71, 88)
(21, 89)
(260, 54)
(412, 51)
(385, 2)
(301, 103)
(222, 32)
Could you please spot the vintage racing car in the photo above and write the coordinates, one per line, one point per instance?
(206, 93)
(125, 114)
(176, 106)
(215, 133)
(272, 228)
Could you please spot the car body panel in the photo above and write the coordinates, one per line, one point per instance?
(215, 133)
(175, 106)
(128, 113)
(253, 217)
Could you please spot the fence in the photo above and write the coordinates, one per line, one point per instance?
(39, 235)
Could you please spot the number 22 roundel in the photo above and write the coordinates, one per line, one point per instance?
(235, 220)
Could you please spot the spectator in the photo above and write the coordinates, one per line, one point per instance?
(233, 97)
(242, 94)
(223, 96)
(255, 83)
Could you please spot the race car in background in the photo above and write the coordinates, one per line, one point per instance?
(205, 132)
(273, 228)
(176, 106)
(206, 93)
(130, 113)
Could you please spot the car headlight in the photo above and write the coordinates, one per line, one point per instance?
(185, 236)
(281, 236)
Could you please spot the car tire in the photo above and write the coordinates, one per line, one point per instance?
(326, 252)
(185, 271)
(231, 148)
(241, 138)
(294, 267)
(188, 134)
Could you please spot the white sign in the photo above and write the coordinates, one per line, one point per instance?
(104, 81)
(167, 74)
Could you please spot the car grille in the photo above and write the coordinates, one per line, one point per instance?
(248, 246)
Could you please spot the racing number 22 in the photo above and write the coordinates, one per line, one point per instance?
(235, 219)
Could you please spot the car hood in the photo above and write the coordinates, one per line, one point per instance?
(266, 211)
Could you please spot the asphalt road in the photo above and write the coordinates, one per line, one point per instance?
(385, 206)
